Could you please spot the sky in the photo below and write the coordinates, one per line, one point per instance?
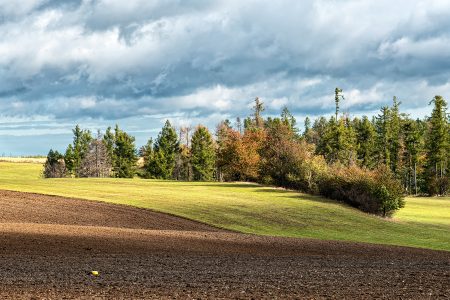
(139, 62)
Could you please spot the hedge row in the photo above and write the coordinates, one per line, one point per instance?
(373, 191)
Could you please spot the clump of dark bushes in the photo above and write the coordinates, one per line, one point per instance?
(55, 166)
(439, 185)
(373, 191)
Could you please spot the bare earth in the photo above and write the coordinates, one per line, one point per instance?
(49, 245)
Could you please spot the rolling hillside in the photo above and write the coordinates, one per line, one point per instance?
(250, 208)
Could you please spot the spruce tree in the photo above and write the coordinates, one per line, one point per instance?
(146, 152)
(248, 123)
(202, 154)
(437, 148)
(69, 159)
(366, 140)
(395, 136)
(164, 151)
(347, 143)
(108, 140)
(317, 134)
(307, 124)
(307, 133)
(384, 136)
(413, 144)
(124, 153)
(288, 119)
(78, 150)
(338, 144)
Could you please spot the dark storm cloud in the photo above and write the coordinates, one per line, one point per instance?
(199, 60)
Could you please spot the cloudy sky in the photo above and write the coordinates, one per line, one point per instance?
(137, 63)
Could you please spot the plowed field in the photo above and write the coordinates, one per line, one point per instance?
(49, 245)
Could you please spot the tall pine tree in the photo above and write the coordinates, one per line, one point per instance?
(288, 119)
(164, 153)
(366, 140)
(124, 154)
(438, 148)
(109, 141)
(78, 150)
(202, 154)
(395, 136)
(338, 143)
(413, 144)
(384, 138)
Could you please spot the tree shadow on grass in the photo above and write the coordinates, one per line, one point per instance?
(226, 184)
(298, 195)
(292, 194)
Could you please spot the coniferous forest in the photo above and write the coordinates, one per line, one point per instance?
(369, 162)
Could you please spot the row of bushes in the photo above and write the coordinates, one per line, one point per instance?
(290, 162)
(373, 191)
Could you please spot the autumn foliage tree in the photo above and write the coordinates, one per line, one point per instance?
(227, 162)
(288, 161)
(279, 155)
(238, 155)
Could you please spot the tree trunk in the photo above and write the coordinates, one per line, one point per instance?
(415, 177)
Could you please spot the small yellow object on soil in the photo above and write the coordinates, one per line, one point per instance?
(95, 273)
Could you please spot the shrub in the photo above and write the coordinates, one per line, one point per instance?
(306, 169)
(373, 191)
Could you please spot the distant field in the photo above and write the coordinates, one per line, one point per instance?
(34, 160)
(251, 208)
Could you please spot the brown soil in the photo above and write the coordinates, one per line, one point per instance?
(49, 245)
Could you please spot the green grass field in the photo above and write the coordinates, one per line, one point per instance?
(250, 208)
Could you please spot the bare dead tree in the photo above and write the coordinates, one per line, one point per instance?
(96, 163)
(239, 125)
(184, 135)
(183, 167)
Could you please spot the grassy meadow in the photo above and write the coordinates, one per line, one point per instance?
(250, 208)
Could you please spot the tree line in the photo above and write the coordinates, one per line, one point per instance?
(416, 151)
(367, 163)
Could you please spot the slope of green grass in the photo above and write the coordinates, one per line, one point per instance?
(250, 208)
